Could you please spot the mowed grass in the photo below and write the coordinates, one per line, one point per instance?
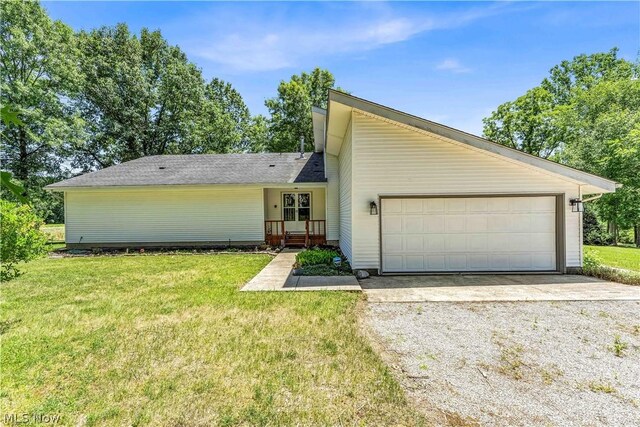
(169, 340)
(55, 232)
(616, 256)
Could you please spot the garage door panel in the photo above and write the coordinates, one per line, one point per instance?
(477, 223)
(544, 223)
(456, 262)
(518, 223)
(414, 262)
(455, 205)
(435, 262)
(498, 242)
(392, 224)
(477, 242)
(468, 234)
(540, 242)
(393, 243)
(412, 224)
(454, 243)
(519, 242)
(434, 242)
(414, 243)
(454, 223)
(520, 261)
(394, 263)
(496, 222)
(412, 206)
(392, 206)
(477, 205)
(433, 223)
(543, 261)
(433, 205)
(478, 262)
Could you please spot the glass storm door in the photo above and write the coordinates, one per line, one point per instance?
(296, 210)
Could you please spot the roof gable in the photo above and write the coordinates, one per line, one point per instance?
(341, 103)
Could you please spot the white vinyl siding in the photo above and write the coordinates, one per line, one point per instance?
(392, 160)
(333, 197)
(468, 234)
(165, 215)
(345, 166)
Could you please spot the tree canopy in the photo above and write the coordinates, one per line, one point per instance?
(290, 110)
(586, 114)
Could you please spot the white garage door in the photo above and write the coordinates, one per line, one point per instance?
(468, 234)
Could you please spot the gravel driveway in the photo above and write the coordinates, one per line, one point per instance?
(521, 363)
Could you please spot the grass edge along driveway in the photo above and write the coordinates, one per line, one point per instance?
(169, 340)
(627, 258)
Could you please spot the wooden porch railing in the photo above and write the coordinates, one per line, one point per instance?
(315, 233)
(274, 232)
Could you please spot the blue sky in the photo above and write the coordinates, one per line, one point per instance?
(451, 62)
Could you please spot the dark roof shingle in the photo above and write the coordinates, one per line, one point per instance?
(196, 169)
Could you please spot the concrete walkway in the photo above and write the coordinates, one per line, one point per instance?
(276, 276)
(469, 288)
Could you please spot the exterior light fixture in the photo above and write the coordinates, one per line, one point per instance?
(373, 208)
(576, 205)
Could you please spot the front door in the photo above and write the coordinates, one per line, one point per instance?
(296, 210)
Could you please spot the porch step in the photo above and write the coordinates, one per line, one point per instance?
(295, 240)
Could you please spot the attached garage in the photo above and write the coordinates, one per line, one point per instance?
(493, 233)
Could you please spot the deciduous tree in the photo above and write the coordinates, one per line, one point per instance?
(140, 97)
(291, 109)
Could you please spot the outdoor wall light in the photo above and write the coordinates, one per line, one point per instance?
(576, 205)
(373, 208)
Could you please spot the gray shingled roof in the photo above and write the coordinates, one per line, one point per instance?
(194, 169)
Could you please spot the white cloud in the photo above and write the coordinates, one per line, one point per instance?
(452, 65)
(267, 39)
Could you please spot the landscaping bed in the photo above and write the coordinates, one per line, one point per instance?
(322, 261)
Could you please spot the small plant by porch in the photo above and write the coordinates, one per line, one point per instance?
(321, 262)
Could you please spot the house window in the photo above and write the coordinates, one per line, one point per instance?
(296, 206)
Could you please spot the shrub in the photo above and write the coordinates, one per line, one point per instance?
(22, 239)
(316, 256)
(592, 266)
(598, 237)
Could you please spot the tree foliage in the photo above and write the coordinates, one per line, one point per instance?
(38, 75)
(605, 139)
(21, 239)
(534, 122)
(225, 124)
(139, 97)
(290, 110)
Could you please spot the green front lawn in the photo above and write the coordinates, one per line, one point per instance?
(616, 256)
(54, 231)
(169, 340)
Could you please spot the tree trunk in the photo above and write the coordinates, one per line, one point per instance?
(612, 228)
(22, 170)
(636, 235)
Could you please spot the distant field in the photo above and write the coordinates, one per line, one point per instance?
(55, 232)
(616, 256)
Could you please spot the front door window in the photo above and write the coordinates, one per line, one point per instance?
(296, 206)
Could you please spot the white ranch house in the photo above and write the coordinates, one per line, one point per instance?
(397, 193)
